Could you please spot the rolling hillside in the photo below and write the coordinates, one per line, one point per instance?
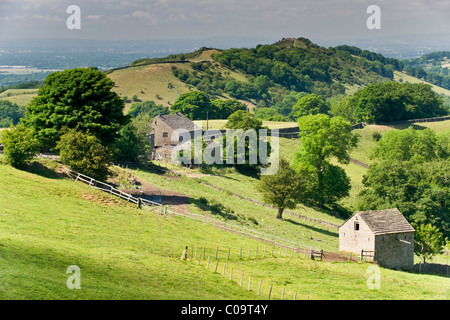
(126, 253)
(260, 76)
(290, 64)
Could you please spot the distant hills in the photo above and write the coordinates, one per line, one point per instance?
(261, 76)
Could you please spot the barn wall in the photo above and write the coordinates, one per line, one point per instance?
(161, 127)
(395, 250)
(351, 240)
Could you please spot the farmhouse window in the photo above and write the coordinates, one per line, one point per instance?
(356, 226)
(165, 134)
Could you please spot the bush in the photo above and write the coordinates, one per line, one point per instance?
(20, 145)
(84, 153)
(376, 136)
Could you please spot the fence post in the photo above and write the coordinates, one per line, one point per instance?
(207, 264)
(270, 291)
(229, 249)
(217, 251)
(242, 278)
(256, 254)
(282, 294)
(362, 253)
(240, 255)
(217, 264)
(259, 288)
(249, 282)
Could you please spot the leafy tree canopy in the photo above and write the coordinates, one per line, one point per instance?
(284, 189)
(394, 101)
(243, 120)
(10, 113)
(310, 105)
(197, 105)
(84, 153)
(78, 98)
(411, 171)
(322, 138)
(147, 107)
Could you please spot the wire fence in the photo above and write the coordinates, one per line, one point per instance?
(223, 261)
(169, 211)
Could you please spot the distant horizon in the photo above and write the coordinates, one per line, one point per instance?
(275, 38)
(327, 20)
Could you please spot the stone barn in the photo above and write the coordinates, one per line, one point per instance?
(163, 140)
(385, 233)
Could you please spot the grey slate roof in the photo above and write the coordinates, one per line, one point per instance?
(178, 121)
(386, 221)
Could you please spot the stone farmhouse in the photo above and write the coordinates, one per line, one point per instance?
(386, 234)
(163, 139)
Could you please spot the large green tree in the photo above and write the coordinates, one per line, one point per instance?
(244, 134)
(324, 138)
(393, 101)
(284, 189)
(411, 171)
(78, 98)
(310, 105)
(195, 105)
(428, 241)
(10, 113)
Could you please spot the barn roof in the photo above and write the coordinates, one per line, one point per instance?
(178, 121)
(385, 221)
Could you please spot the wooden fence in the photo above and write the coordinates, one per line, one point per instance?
(315, 253)
(111, 190)
(372, 255)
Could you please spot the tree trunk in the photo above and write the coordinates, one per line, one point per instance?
(280, 213)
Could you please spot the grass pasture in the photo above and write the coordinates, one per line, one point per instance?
(126, 253)
(21, 97)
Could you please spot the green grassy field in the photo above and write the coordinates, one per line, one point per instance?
(126, 253)
(403, 77)
(19, 96)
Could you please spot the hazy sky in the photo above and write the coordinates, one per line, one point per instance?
(175, 19)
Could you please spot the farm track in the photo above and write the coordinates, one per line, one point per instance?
(179, 203)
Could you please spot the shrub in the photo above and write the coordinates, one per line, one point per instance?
(84, 153)
(376, 136)
(20, 145)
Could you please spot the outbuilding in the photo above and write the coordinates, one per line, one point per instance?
(383, 235)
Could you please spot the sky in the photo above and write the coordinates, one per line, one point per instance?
(198, 19)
